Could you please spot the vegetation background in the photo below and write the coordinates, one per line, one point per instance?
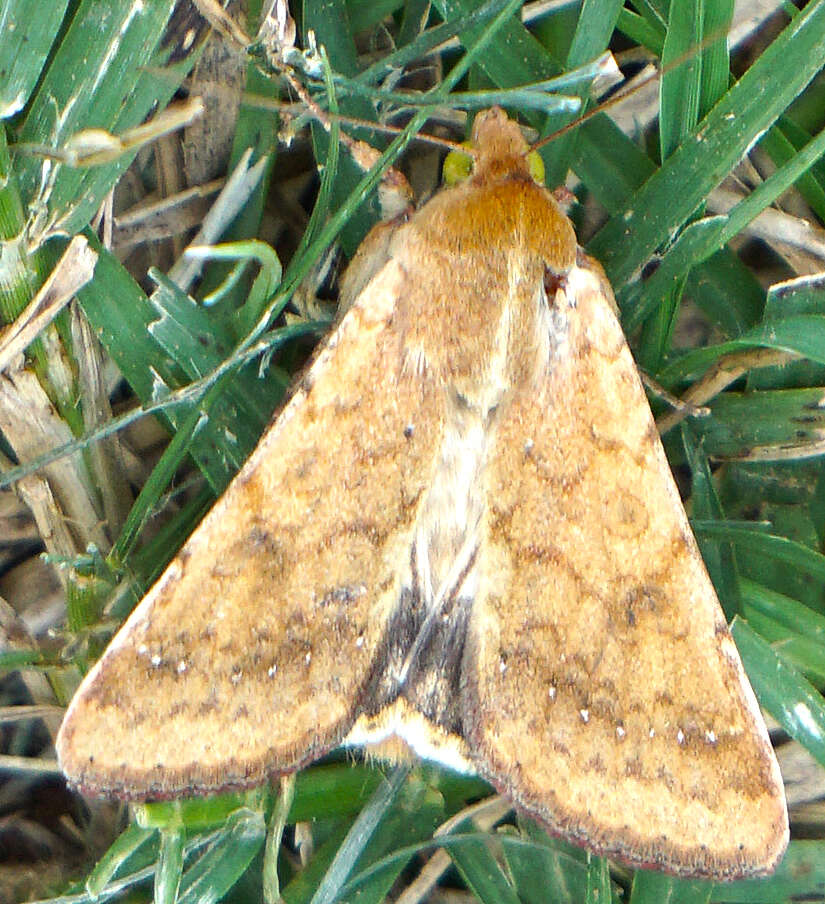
(704, 199)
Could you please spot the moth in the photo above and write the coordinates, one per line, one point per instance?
(460, 536)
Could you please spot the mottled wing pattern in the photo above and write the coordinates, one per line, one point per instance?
(601, 681)
(275, 611)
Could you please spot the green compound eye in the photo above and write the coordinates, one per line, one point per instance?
(536, 165)
(457, 166)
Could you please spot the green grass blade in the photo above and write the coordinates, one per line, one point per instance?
(358, 836)
(800, 557)
(785, 694)
(599, 890)
(785, 610)
(681, 86)
(656, 888)
(720, 140)
(719, 557)
(226, 859)
(131, 840)
(540, 864)
(27, 31)
(170, 866)
(114, 93)
(481, 871)
(799, 877)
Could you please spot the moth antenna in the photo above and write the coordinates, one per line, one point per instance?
(720, 375)
(684, 407)
(628, 90)
(617, 98)
(353, 121)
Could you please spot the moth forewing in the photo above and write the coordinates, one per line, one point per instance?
(461, 532)
(607, 697)
(230, 670)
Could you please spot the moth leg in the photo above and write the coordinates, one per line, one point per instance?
(724, 372)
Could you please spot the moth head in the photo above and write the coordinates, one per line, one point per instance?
(497, 147)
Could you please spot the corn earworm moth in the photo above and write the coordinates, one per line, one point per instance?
(461, 533)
